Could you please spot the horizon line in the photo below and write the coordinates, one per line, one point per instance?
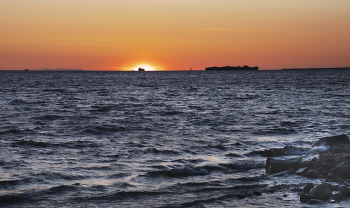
(88, 70)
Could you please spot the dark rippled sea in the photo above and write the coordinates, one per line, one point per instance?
(162, 139)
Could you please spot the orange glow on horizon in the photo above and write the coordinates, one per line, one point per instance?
(147, 67)
(129, 66)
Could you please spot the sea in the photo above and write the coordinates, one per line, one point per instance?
(163, 139)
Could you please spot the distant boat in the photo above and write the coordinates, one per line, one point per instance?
(26, 70)
(141, 69)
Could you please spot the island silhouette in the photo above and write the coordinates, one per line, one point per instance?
(245, 67)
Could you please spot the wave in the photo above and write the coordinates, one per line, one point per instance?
(202, 170)
(287, 150)
(217, 146)
(247, 96)
(18, 101)
(105, 129)
(101, 108)
(173, 196)
(123, 194)
(276, 130)
(50, 176)
(180, 172)
(9, 183)
(123, 185)
(245, 165)
(80, 144)
(48, 117)
(35, 195)
(171, 113)
(152, 150)
(72, 144)
(160, 151)
(15, 199)
(120, 195)
(12, 164)
(54, 90)
(231, 154)
(14, 129)
(119, 175)
(289, 124)
(31, 143)
(239, 192)
(63, 188)
(11, 131)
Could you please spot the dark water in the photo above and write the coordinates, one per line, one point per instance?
(158, 139)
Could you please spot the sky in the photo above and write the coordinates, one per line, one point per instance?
(173, 35)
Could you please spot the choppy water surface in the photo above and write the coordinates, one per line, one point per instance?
(148, 139)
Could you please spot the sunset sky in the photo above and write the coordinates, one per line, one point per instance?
(173, 35)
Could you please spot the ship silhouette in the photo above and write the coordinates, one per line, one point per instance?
(141, 69)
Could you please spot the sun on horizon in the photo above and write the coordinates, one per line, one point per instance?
(147, 67)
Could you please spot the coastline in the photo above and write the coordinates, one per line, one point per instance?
(329, 168)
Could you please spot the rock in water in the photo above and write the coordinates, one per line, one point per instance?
(285, 173)
(307, 188)
(347, 182)
(306, 197)
(326, 166)
(315, 201)
(342, 170)
(346, 157)
(321, 191)
(332, 186)
(276, 165)
(334, 140)
(302, 171)
(257, 193)
(336, 195)
(241, 196)
(312, 174)
(344, 190)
